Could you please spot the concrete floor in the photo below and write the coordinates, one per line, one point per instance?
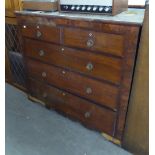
(33, 130)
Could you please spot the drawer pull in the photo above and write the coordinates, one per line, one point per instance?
(90, 43)
(24, 26)
(62, 49)
(41, 53)
(44, 95)
(63, 72)
(87, 114)
(44, 74)
(90, 66)
(89, 91)
(63, 94)
(39, 34)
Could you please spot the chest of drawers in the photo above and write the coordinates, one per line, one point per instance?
(81, 68)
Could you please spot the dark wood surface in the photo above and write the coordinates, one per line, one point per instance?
(131, 46)
(103, 67)
(113, 54)
(46, 33)
(91, 115)
(107, 26)
(93, 90)
(101, 42)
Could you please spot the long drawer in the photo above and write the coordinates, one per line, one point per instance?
(91, 115)
(94, 41)
(98, 66)
(41, 32)
(93, 90)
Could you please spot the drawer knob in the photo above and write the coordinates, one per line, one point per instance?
(62, 49)
(44, 95)
(44, 74)
(39, 34)
(90, 66)
(87, 114)
(63, 72)
(90, 43)
(24, 26)
(89, 91)
(63, 94)
(41, 53)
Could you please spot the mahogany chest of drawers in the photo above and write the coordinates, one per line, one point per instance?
(81, 68)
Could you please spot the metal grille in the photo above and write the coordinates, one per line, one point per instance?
(14, 49)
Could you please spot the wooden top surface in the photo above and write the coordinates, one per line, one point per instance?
(131, 16)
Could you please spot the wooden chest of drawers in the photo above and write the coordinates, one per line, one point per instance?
(81, 68)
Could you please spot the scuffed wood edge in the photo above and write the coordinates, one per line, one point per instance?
(111, 139)
(33, 99)
(127, 76)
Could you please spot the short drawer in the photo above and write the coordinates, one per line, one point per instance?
(94, 41)
(41, 32)
(98, 66)
(89, 114)
(93, 90)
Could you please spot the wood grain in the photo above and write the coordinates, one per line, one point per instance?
(42, 6)
(48, 33)
(111, 80)
(74, 107)
(10, 20)
(119, 6)
(127, 75)
(104, 68)
(11, 6)
(101, 93)
(103, 42)
(136, 136)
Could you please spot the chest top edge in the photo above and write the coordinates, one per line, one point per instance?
(132, 17)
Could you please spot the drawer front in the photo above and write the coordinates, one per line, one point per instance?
(91, 115)
(97, 41)
(93, 90)
(97, 66)
(41, 32)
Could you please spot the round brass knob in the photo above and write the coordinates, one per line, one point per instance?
(38, 34)
(41, 53)
(89, 66)
(89, 91)
(44, 74)
(87, 114)
(90, 43)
